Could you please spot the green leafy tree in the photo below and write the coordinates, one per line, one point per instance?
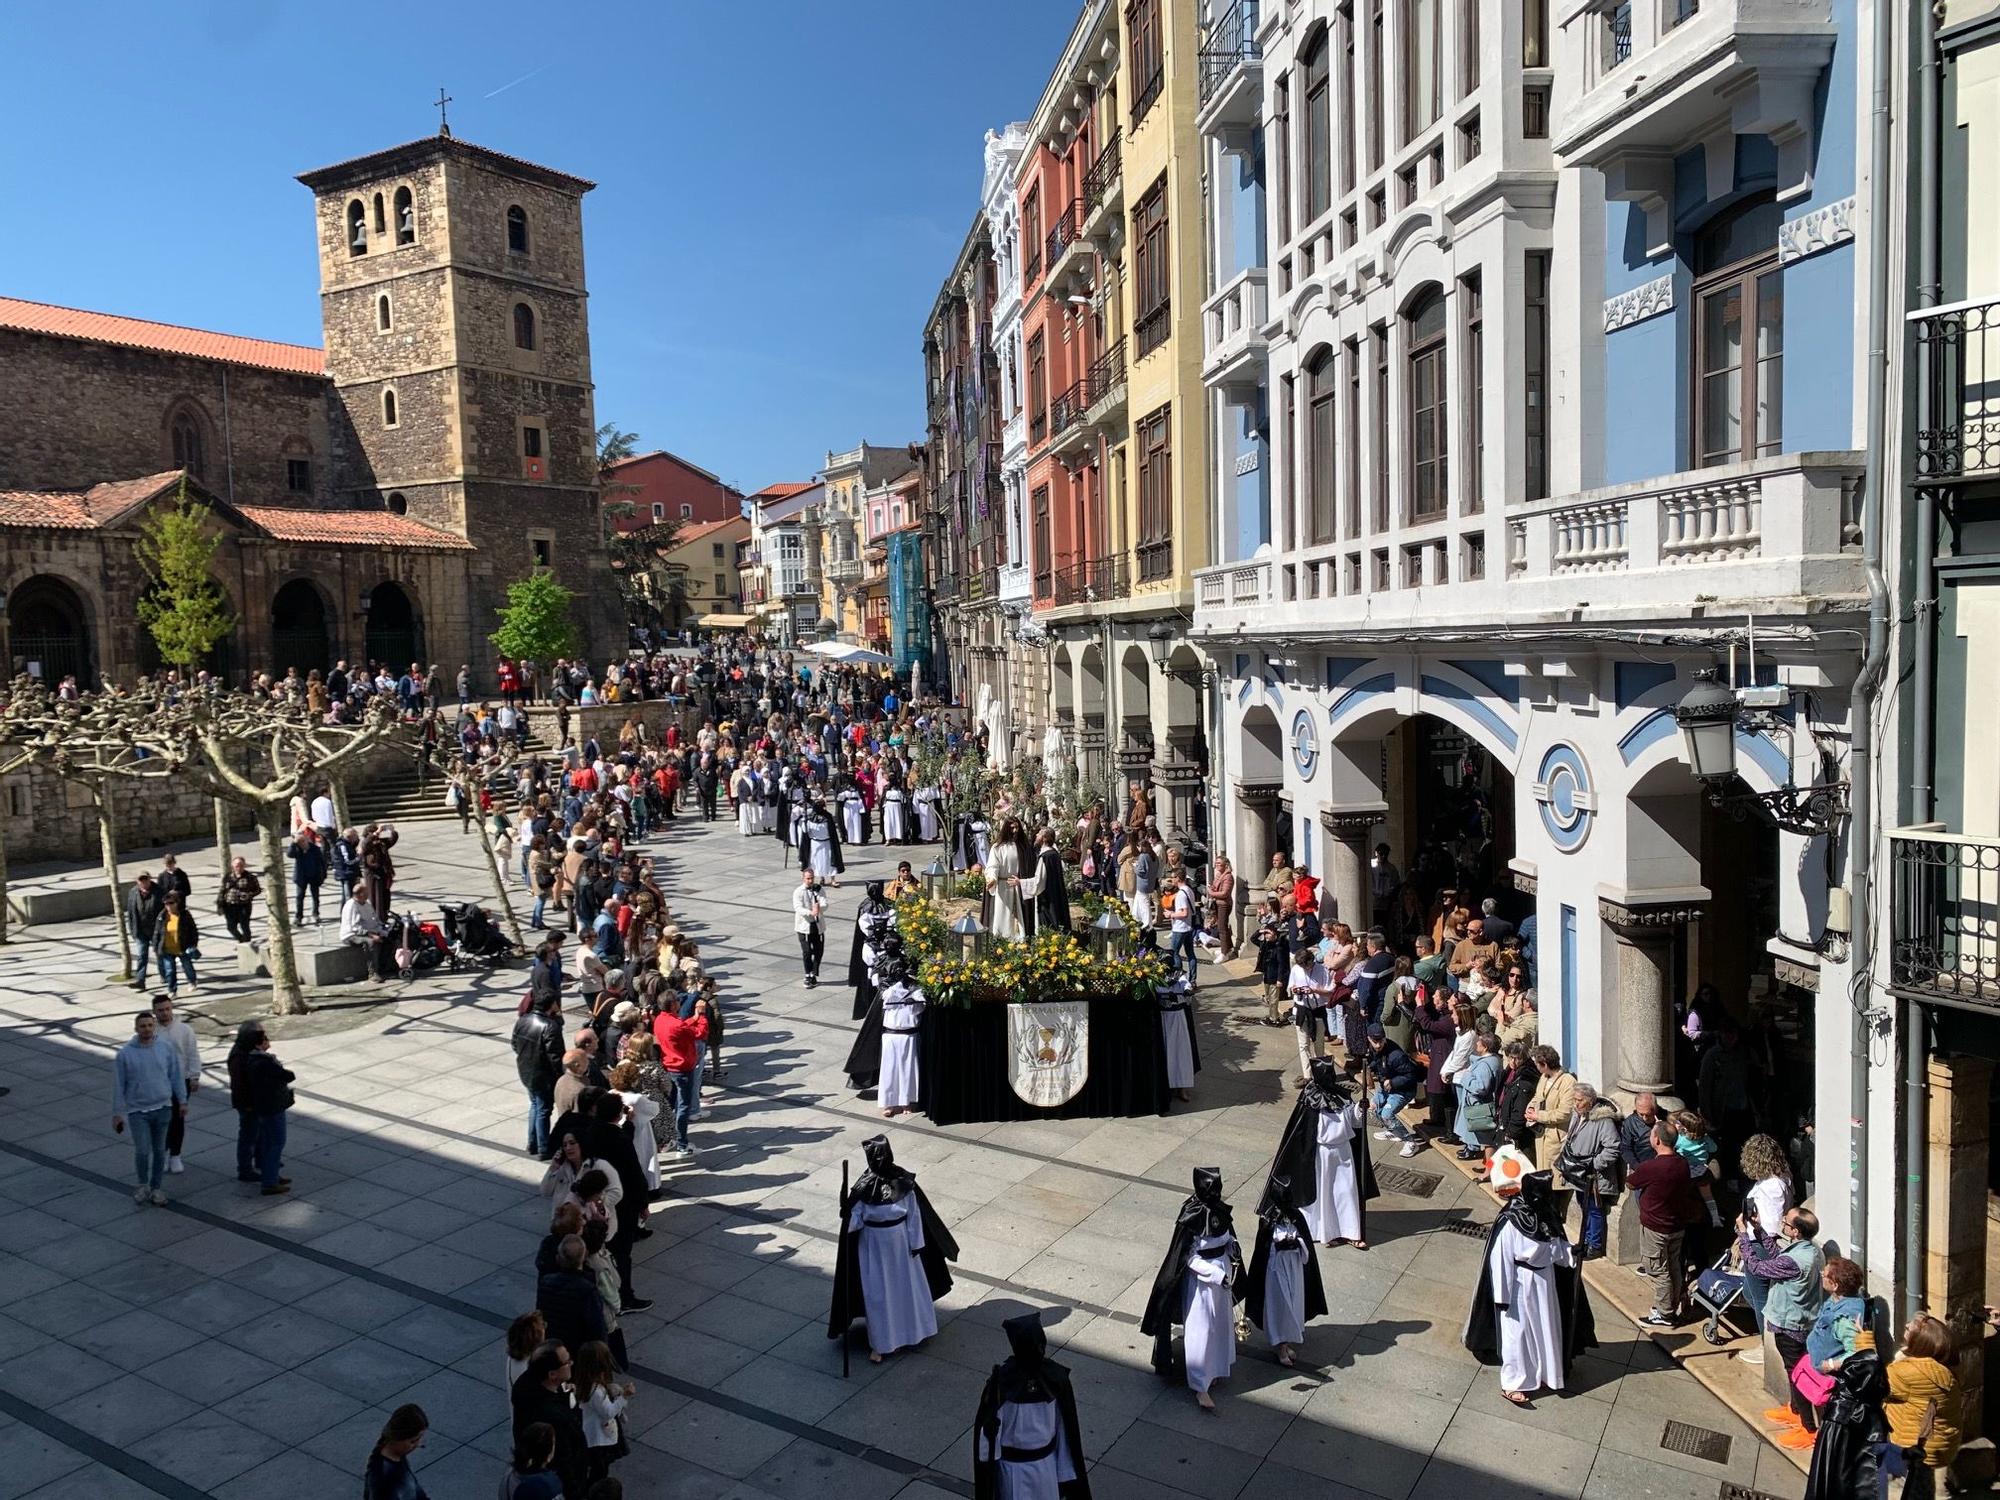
(614, 446)
(536, 624)
(185, 608)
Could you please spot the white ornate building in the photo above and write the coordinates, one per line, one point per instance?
(1560, 328)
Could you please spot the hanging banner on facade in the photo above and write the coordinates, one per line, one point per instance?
(1048, 1051)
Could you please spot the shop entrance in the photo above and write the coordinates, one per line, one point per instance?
(1450, 824)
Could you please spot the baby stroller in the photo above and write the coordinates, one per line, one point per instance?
(471, 935)
(414, 947)
(1720, 1291)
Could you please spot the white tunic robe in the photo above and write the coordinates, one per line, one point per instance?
(1208, 1313)
(1174, 1035)
(1285, 1286)
(748, 820)
(894, 828)
(1029, 1425)
(852, 816)
(902, 1009)
(1524, 1297)
(982, 841)
(1335, 1212)
(1009, 921)
(819, 847)
(927, 814)
(895, 1295)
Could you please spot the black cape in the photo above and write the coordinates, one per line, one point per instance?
(962, 850)
(1052, 900)
(1482, 1324)
(1026, 1378)
(864, 1058)
(1846, 1461)
(1163, 1307)
(939, 1247)
(1260, 1266)
(1298, 1154)
(833, 836)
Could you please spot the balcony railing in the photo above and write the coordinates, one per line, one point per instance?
(1944, 940)
(1091, 581)
(1233, 321)
(1038, 426)
(1103, 172)
(1229, 43)
(1105, 377)
(1148, 95)
(1617, 35)
(1031, 269)
(1679, 11)
(1959, 347)
(1235, 583)
(1064, 230)
(1150, 330)
(1067, 410)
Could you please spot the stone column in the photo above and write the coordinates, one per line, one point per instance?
(1346, 873)
(1644, 936)
(1256, 807)
(1133, 761)
(1092, 747)
(1178, 776)
(1955, 1288)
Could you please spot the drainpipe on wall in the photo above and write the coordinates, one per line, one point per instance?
(228, 447)
(1861, 829)
(1912, 1208)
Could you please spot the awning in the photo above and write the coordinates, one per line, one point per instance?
(723, 622)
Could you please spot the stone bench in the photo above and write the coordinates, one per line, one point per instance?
(337, 963)
(75, 904)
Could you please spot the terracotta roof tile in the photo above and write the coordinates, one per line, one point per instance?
(161, 338)
(107, 502)
(352, 528)
(697, 532)
(61, 510)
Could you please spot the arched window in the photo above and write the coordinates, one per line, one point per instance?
(397, 504)
(189, 448)
(388, 408)
(382, 315)
(1317, 157)
(1430, 425)
(517, 229)
(406, 218)
(381, 219)
(1739, 335)
(357, 228)
(524, 326)
(1320, 441)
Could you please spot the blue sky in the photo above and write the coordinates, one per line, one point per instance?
(782, 187)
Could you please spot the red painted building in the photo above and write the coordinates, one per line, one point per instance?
(666, 487)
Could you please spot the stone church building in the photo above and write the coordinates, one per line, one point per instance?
(374, 498)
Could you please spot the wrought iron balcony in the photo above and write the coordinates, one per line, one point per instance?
(1958, 349)
(1090, 581)
(1944, 940)
(1066, 417)
(1069, 252)
(1230, 72)
(1104, 174)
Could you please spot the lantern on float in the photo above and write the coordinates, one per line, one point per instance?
(972, 936)
(937, 881)
(1107, 936)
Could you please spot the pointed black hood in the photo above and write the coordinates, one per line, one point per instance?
(883, 1181)
(1207, 1200)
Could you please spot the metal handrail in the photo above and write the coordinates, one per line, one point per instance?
(1103, 171)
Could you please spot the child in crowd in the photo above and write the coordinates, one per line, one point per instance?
(1697, 1148)
(603, 1400)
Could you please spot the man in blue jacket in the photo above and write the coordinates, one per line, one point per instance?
(1398, 1080)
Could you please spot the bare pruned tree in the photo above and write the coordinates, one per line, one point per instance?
(448, 759)
(250, 751)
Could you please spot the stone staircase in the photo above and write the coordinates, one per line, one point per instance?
(395, 796)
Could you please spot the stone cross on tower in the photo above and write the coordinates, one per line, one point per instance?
(444, 124)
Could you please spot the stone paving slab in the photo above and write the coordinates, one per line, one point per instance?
(231, 1345)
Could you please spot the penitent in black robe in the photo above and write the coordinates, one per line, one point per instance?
(1533, 1211)
(883, 1182)
(1026, 1377)
(1052, 900)
(1298, 1146)
(1202, 1213)
(1260, 1265)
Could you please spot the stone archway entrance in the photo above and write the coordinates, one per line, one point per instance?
(299, 636)
(395, 636)
(48, 627)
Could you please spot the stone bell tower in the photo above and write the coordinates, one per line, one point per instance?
(458, 342)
